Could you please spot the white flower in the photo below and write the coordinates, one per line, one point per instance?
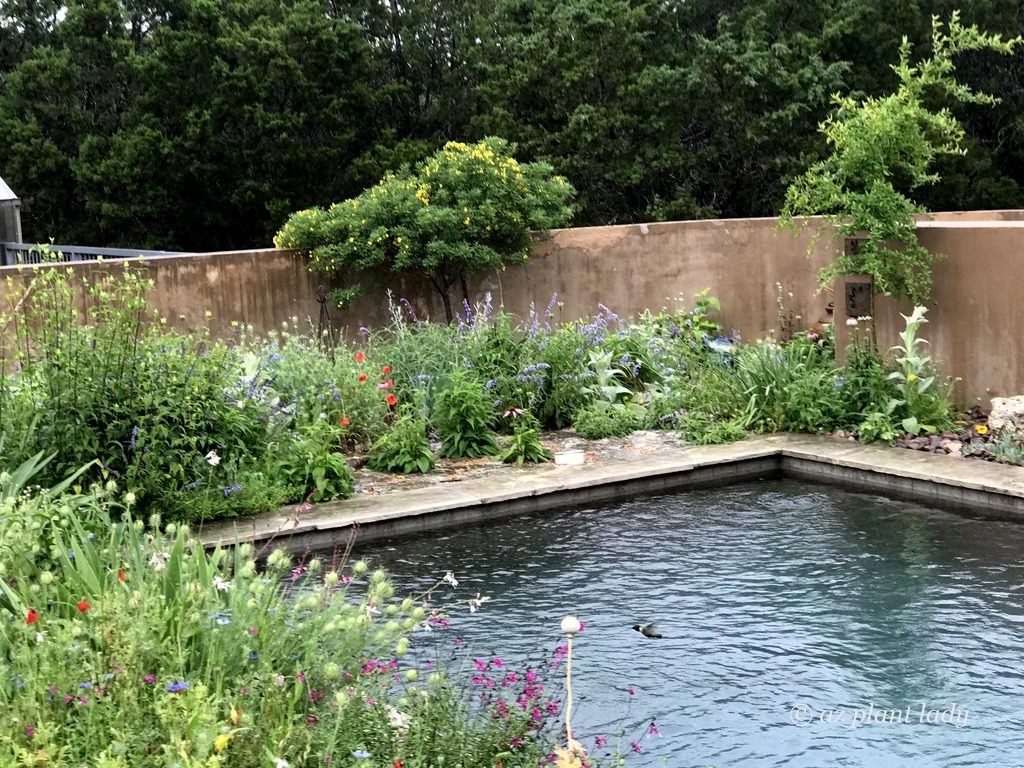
(280, 762)
(159, 560)
(450, 579)
(851, 321)
(476, 602)
(212, 458)
(221, 584)
(396, 718)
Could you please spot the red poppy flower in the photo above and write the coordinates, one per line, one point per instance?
(344, 421)
(83, 606)
(32, 617)
(360, 357)
(362, 377)
(398, 764)
(120, 574)
(385, 370)
(391, 399)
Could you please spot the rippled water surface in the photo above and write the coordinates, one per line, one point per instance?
(792, 614)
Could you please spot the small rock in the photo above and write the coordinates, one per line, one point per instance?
(1007, 414)
(953, 447)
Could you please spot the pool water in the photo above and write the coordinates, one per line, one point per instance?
(803, 625)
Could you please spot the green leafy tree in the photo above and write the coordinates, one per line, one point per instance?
(882, 150)
(464, 209)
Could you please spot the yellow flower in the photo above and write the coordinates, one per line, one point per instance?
(912, 377)
(981, 429)
(221, 742)
(466, 222)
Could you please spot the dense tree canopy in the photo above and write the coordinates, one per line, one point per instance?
(201, 124)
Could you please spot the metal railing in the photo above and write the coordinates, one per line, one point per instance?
(12, 254)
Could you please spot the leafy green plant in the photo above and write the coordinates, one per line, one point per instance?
(861, 385)
(602, 419)
(463, 418)
(879, 426)
(788, 387)
(463, 209)
(925, 405)
(700, 430)
(405, 448)
(882, 149)
(313, 466)
(1007, 450)
(524, 446)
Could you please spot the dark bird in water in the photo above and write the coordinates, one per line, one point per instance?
(648, 630)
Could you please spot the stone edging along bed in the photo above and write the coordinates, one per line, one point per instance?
(961, 485)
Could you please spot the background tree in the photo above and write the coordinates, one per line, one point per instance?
(200, 124)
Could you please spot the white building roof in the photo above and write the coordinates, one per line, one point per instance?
(6, 193)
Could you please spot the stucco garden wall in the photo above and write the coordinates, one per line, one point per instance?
(747, 263)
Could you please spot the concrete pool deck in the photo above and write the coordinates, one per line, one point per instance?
(647, 462)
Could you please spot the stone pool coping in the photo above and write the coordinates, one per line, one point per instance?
(962, 485)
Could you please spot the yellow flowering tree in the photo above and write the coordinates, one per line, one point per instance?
(466, 208)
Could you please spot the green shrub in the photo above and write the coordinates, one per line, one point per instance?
(788, 387)
(700, 430)
(524, 446)
(312, 466)
(405, 448)
(602, 419)
(464, 209)
(463, 418)
(882, 150)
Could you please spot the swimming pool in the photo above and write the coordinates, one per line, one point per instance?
(804, 625)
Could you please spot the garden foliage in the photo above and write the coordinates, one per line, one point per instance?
(130, 646)
(200, 428)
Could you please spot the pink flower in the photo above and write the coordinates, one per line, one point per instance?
(480, 665)
(636, 747)
(632, 690)
(601, 741)
(653, 730)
